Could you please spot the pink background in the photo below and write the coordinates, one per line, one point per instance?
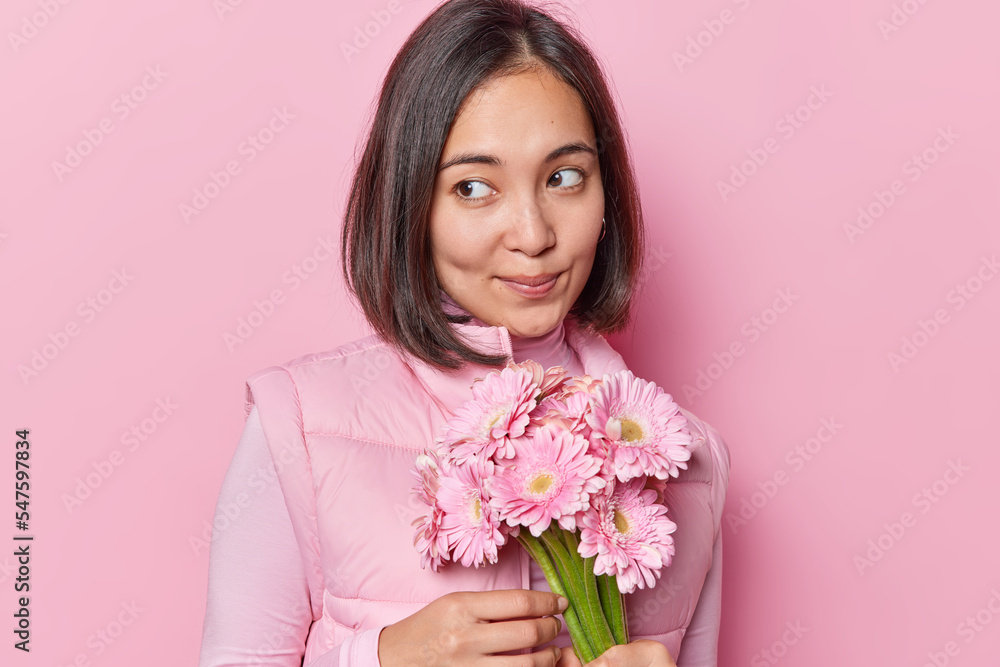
(841, 543)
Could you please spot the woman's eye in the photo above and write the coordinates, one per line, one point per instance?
(573, 177)
(473, 189)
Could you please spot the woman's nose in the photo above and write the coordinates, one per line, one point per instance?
(530, 231)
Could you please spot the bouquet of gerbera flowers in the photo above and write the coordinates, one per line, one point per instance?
(580, 463)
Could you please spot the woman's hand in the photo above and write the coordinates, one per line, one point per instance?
(640, 653)
(466, 628)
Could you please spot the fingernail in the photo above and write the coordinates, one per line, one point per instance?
(558, 653)
(563, 603)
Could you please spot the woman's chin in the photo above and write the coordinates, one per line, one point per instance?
(531, 327)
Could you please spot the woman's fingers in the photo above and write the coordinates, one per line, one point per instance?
(512, 604)
(568, 658)
(500, 636)
(640, 653)
(463, 628)
(547, 657)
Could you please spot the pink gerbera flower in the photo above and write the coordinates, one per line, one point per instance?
(470, 525)
(583, 383)
(647, 433)
(548, 380)
(570, 413)
(551, 477)
(659, 487)
(484, 426)
(428, 538)
(629, 534)
(567, 412)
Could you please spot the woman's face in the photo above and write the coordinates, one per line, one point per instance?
(518, 199)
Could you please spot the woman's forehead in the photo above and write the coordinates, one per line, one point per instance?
(532, 110)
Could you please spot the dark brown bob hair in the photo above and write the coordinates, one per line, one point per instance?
(385, 248)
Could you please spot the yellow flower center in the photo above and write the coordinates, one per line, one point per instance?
(631, 430)
(540, 484)
(500, 412)
(621, 523)
(477, 509)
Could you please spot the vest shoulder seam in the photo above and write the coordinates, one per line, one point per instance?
(369, 343)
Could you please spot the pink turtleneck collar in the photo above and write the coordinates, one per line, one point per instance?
(549, 349)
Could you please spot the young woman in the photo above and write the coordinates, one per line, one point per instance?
(493, 216)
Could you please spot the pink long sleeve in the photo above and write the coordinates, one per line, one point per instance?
(700, 645)
(258, 600)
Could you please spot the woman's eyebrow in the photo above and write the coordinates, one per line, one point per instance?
(494, 161)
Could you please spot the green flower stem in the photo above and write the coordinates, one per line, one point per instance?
(594, 599)
(573, 545)
(589, 600)
(607, 589)
(602, 592)
(611, 601)
(569, 537)
(572, 577)
(577, 633)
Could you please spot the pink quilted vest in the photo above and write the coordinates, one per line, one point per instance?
(343, 428)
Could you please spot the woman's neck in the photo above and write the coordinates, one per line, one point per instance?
(550, 349)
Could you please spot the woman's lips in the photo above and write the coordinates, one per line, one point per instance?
(532, 287)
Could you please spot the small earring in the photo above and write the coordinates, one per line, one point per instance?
(603, 229)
